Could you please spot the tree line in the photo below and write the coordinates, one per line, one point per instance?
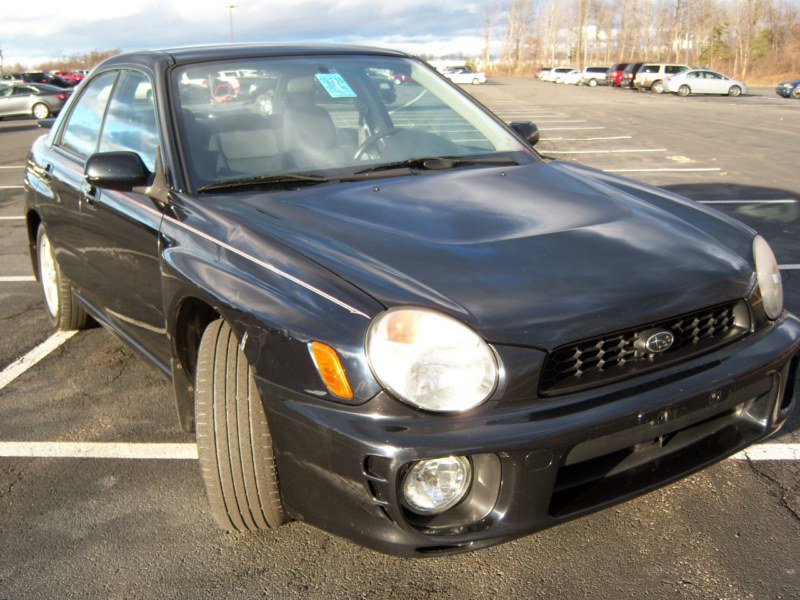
(757, 38)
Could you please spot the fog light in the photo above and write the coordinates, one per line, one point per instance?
(432, 486)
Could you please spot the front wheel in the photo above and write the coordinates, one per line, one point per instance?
(684, 90)
(233, 439)
(41, 111)
(796, 92)
(657, 87)
(735, 91)
(592, 82)
(63, 309)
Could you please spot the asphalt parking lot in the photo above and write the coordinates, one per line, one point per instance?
(100, 495)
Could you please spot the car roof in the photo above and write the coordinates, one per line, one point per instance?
(190, 54)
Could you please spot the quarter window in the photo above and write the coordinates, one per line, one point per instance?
(130, 124)
(83, 127)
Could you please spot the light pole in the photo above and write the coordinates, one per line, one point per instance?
(230, 8)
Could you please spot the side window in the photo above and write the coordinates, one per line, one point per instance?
(131, 119)
(83, 127)
(693, 75)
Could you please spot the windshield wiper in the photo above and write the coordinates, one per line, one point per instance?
(265, 180)
(441, 162)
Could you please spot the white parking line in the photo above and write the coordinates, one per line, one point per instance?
(587, 139)
(19, 366)
(782, 201)
(12, 218)
(188, 451)
(12, 166)
(11, 187)
(623, 151)
(788, 267)
(667, 170)
(138, 451)
(769, 452)
(567, 128)
(17, 278)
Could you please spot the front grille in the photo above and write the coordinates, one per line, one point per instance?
(615, 356)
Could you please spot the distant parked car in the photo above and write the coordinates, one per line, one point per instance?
(593, 76)
(629, 73)
(789, 89)
(572, 78)
(557, 75)
(543, 71)
(703, 81)
(614, 74)
(464, 75)
(651, 76)
(36, 99)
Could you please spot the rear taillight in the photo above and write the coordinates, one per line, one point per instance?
(62, 96)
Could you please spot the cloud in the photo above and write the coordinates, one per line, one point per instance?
(62, 28)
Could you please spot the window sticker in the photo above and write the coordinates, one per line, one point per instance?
(335, 85)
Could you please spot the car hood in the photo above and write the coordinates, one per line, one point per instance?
(535, 255)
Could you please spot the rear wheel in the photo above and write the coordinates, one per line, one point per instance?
(63, 309)
(476, 81)
(684, 90)
(796, 92)
(41, 111)
(592, 82)
(233, 440)
(658, 87)
(734, 91)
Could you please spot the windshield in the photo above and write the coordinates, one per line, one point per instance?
(338, 115)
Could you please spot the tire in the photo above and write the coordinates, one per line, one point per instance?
(263, 103)
(684, 90)
(657, 87)
(233, 440)
(40, 111)
(735, 91)
(476, 81)
(592, 83)
(796, 92)
(62, 308)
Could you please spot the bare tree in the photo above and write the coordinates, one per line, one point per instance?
(518, 32)
(491, 15)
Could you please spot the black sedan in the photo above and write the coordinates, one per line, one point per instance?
(400, 323)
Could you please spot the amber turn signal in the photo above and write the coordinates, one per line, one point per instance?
(331, 370)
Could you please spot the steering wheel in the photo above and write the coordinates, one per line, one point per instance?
(372, 140)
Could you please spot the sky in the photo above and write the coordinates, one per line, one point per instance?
(48, 29)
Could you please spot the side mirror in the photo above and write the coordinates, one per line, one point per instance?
(121, 171)
(527, 130)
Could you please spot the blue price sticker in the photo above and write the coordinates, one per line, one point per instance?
(335, 85)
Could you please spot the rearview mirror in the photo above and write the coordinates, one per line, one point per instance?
(528, 130)
(121, 171)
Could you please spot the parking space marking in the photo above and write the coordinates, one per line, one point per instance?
(662, 170)
(188, 451)
(12, 166)
(17, 278)
(11, 187)
(769, 452)
(782, 201)
(567, 128)
(19, 366)
(789, 267)
(623, 151)
(587, 139)
(12, 218)
(129, 451)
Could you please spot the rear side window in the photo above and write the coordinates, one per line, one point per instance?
(649, 69)
(83, 125)
(674, 69)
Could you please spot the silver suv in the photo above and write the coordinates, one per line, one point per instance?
(652, 75)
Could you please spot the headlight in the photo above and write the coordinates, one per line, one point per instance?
(769, 277)
(431, 360)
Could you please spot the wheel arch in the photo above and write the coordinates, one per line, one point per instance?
(32, 222)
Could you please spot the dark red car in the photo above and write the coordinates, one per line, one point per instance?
(614, 75)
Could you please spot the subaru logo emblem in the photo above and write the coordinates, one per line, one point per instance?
(658, 342)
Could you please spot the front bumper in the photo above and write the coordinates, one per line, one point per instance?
(535, 464)
(786, 92)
